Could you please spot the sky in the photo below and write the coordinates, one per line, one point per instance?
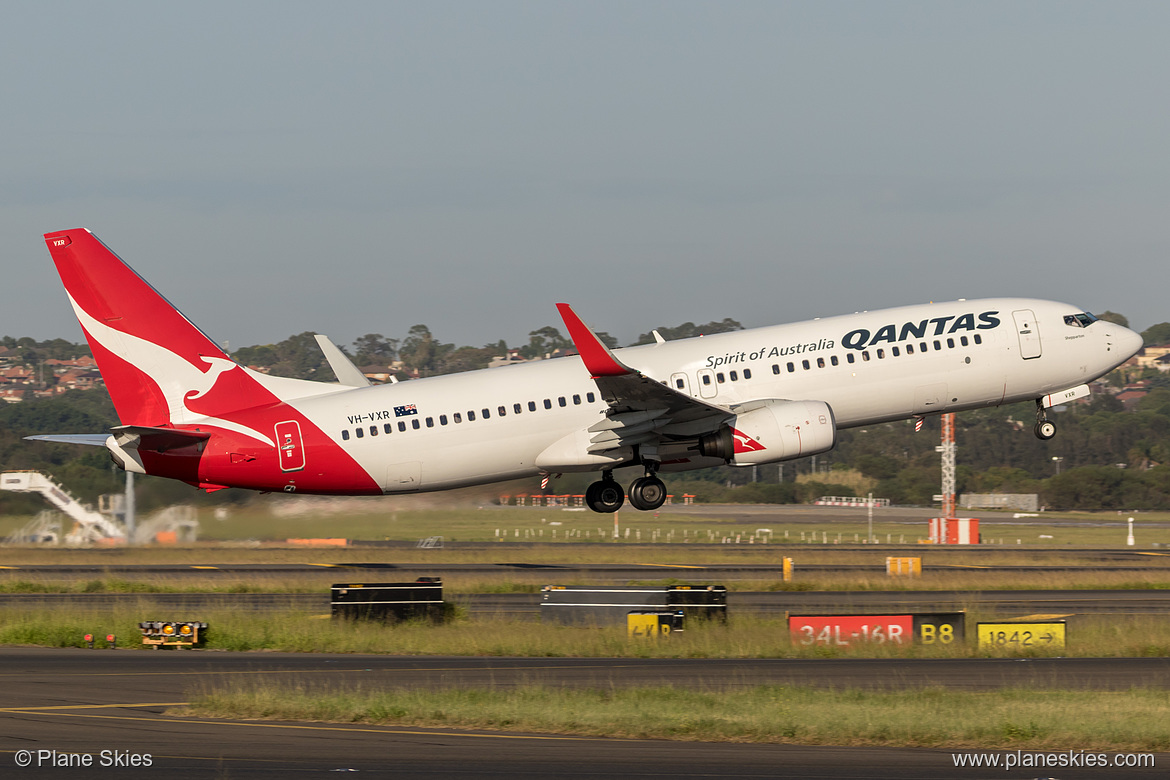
(362, 167)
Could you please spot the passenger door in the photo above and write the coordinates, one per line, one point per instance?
(1028, 332)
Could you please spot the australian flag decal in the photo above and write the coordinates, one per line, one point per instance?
(405, 411)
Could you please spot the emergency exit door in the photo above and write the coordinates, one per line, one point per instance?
(290, 446)
(1028, 332)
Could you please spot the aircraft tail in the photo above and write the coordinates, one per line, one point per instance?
(159, 368)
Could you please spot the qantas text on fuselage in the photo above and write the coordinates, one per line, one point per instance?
(764, 395)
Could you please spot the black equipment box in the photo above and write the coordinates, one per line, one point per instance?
(610, 604)
(389, 600)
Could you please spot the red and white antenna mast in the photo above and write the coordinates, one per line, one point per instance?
(948, 465)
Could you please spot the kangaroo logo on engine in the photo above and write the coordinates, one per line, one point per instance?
(862, 338)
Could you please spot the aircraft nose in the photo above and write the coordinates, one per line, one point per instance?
(1131, 342)
(1128, 342)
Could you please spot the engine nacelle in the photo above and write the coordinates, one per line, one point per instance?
(781, 430)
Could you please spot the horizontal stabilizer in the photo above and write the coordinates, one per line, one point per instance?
(88, 439)
(143, 437)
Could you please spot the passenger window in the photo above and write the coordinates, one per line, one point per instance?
(430, 422)
(516, 408)
(849, 357)
(734, 376)
(978, 339)
(775, 368)
(922, 347)
(561, 401)
(937, 345)
(706, 379)
(401, 426)
(458, 417)
(865, 355)
(719, 378)
(576, 400)
(963, 340)
(589, 397)
(951, 343)
(820, 362)
(747, 373)
(679, 384)
(909, 349)
(532, 406)
(387, 428)
(442, 419)
(881, 353)
(547, 403)
(894, 351)
(805, 364)
(833, 360)
(373, 430)
(360, 433)
(486, 413)
(791, 367)
(503, 410)
(414, 424)
(345, 435)
(470, 416)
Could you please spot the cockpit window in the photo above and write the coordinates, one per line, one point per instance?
(1082, 320)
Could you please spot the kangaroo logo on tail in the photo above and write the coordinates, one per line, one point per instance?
(159, 368)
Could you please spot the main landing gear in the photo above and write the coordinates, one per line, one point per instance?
(1045, 429)
(606, 495)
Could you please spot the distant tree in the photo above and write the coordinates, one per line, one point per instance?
(543, 341)
(690, 330)
(1114, 317)
(607, 339)
(298, 356)
(420, 350)
(465, 359)
(374, 348)
(1157, 334)
(262, 355)
(877, 466)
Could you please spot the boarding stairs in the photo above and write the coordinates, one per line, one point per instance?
(90, 527)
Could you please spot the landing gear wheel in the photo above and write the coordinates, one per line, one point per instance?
(647, 493)
(605, 496)
(1045, 430)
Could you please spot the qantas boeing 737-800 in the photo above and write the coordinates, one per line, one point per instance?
(189, 412)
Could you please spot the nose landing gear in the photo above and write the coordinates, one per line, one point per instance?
(1045, 429)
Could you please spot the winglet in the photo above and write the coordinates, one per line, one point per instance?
(597, 357)
(343, 368)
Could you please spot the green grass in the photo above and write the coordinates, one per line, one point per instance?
(1007, 719)
(742, 637)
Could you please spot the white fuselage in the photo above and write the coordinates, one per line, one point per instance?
(868, 367)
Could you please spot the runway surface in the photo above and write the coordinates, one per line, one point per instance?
(941, 559)
(84, 702)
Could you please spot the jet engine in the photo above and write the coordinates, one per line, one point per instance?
(779, 430)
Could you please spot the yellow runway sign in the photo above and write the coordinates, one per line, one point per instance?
(1020, 636)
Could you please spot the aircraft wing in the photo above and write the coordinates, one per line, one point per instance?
(642, 409)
